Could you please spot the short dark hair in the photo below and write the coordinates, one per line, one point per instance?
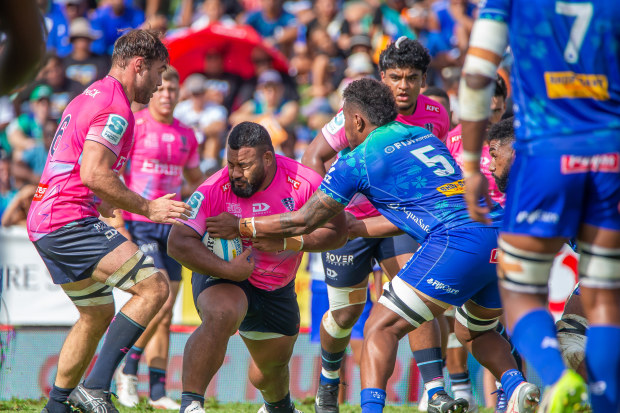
(373, 98)
(249, 134)
(404, 53)
(139, 42)
(503, 131)
(436, 91)
(170, 74)
(500, 87)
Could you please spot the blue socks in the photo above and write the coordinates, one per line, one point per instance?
(56, 402)
(373, 400)
(157, 380)
(535, 338)
(430, 364)
(132, 360)
(603, 364)
(122, 334)
(188, 397)
(510, 381)
(283, 405)
(330, 363)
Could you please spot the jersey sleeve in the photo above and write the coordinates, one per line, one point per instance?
(345, 178)
(334, 132)
(199, 203)
(111, 130)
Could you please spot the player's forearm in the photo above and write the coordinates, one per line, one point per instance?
(375, 227)
(331, 236)
(106, 184)
(473, 133)
(193, 254)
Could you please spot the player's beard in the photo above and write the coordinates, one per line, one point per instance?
(251, 185)
(502, 181)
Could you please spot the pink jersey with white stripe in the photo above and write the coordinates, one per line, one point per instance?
(102, 114)
(292, 185)
(428, 114)
(159, 155)
(455, 146)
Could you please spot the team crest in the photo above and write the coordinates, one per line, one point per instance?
(289, 203)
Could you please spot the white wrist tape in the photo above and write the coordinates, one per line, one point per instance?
(475, 104)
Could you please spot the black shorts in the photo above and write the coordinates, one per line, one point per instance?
(152, 238)
(268, 311)
(72, 252)
(350, 264)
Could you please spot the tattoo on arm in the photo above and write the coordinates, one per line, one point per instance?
(319, 209)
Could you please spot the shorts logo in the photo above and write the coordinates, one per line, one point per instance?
(573, 164)
(40, 192)
(331, 273)
(296, 184)
(537, 216)
(438, 285)
(149, 248)
(114, 129)
(494, 256)
(338, 259)
(225, 187)
(111, 233)
(432, 108)
(336, 123)
(289, 203)
(260, 207)
(453, 188)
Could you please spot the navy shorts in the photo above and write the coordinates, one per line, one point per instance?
(152, 238)
(268, 311)
(350, 264)
(72, 252)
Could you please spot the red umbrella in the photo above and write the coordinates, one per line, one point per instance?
(187, 51)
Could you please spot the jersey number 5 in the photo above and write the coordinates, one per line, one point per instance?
(583, 16)
(420, 153)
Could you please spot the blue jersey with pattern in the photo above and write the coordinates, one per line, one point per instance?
(566, 73)
(409, 176)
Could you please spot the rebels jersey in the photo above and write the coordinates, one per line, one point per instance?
(159, 155)
(292, 185)
(102, 114)
(566, 73)
(409, 176)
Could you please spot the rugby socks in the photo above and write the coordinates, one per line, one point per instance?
(132, 360)
(122, 334)
(535, 338)
(461, 385)
(157, 381)
(56, 402)
(330, 366)
(603, 364)
(284, 405)
(373, 400)
(430, 364)
(510, 381)
(187, 397)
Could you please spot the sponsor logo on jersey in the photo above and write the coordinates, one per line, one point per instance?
(537, 216)
(574, 164)
(429, 126)
(167, 137)
(336, 123)
(296, 184)
(40, 192)
(260, 207)
(153, 166)
(289, 203)
(432, 108)
(456, 138)
(225, 187)
(114, 129)
(453, 188)
(194, 202)
(494, 256)
(561, 85)
(438, 285)
(336, 259)
(233, 208)
(410, 215)
(407, 142)
(91, 92)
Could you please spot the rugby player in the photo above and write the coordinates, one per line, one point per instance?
(164, 152)
(403, 65)
(262, 307)
(410, 177)
(83, 254)
(565, 181)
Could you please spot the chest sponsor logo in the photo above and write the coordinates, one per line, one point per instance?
(259, 207)
(573, 164)
(167, 137)
(537, 216)
(91, 92)
(453, 188)
(40, 192)
(153, 166)
(336, 259)
(567, 85)
(494, 256)
(289, 203)
(336, 123)
(233, 208)
(114, 129)
(432, 108)
(225, 187)
(194, 202)
(296, 184)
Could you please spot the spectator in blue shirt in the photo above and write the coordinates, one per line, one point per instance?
(57, 28)
(109, 20)
(275, 25)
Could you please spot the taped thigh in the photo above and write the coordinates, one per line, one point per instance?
(401, 299)
(473, 323)
(137, 268)
(342, 297)
(599, 267)
(523, 271)
(93, 295)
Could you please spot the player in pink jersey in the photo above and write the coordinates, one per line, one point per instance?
(403, 66)
(262, 307)
(164, 152)
(83, 254)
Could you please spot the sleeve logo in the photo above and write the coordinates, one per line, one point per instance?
(195, 201)
(114, 129)
(336, 123)
(40, 192)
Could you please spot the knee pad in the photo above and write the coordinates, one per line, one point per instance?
(572, 339)
(137, 268)
(401, 299)
(93, 295)
(473, 323)
(453, 342)
(342, 297)
(332, 328)
(599, 267)
(524, 271)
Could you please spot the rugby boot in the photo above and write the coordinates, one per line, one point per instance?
(326, 400)
(68, 409)
(568, 394)
(441, 402)
(194, 407)
(524, 399)
(263, 409)
(127, 388)
(501, 405)
(464, 392)
(91, 400)
(165, 403)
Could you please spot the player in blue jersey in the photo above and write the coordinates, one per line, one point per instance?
(410, 177)
(565, 181)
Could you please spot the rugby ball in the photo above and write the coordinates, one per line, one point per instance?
(226, 249)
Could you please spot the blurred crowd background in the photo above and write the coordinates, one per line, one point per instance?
(281, 63)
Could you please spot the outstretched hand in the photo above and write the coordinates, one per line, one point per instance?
(224, 225)
(476, 187)
(165, 210)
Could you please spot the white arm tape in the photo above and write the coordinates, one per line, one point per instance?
(490, 35)
(475, 104)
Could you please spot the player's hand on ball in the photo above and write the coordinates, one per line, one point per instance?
(268, 244)
(241, 267)
(476, 187)
(165, 210)
(224, 225)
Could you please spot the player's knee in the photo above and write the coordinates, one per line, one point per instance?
(337, 328)
(96, 318)
(572, 339)
(223, 319)
(135, 270)
(524, 271)
(599, 267)
(473, 326)
(401, 299)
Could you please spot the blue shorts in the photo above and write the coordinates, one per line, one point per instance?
(350, 264)
(552, 195)
(455, 266)
(268, 311)
(72, 252)
(152, 238)
(319, 306)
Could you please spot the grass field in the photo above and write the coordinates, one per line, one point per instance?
(306, 406)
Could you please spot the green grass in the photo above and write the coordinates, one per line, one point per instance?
(211, 405)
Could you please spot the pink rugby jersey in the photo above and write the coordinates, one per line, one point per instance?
(455, 146)
(428, 114)
(159, 155)
(102, 114)
(291, 187)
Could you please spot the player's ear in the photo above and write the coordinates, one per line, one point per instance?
(423, 80)
(139, 64)
(359, 122)
(268, 157)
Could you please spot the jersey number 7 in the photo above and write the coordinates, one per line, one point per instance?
(583, 16)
